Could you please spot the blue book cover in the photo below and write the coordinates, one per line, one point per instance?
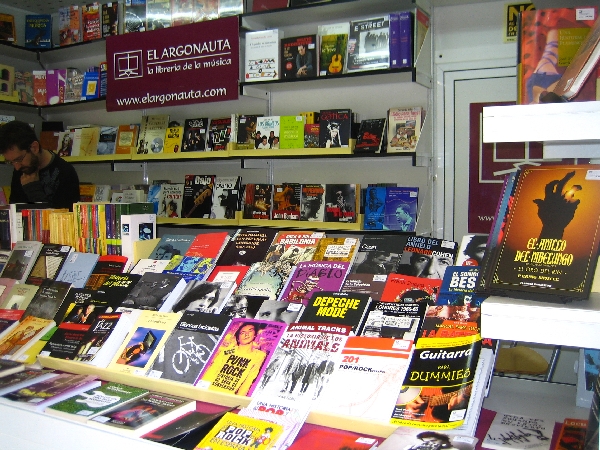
(458, 287)
(77, 268)
(374, 203)
(38, 31)
(401, 42)
(401, 206)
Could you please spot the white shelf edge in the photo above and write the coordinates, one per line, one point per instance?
(578, 121)
(575, 324)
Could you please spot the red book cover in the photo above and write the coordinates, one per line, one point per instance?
(407, 289)
(208, 245)
(91, 21)
(228, 273)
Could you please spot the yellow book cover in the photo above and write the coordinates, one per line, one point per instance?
(89, 141)
(336, 249)
(23, 336)
(127, 136)
(144, 342)
(239, 432)
(173, 140)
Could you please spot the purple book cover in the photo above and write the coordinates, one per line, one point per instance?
(401, 40)
(314, 276)
(52, 95)
(401, 205)
(241, 356)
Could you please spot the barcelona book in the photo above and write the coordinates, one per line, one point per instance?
(305, 348)
(544, 252)
(170, 200)
(38, 31)
(339, 308)
(401, 208)
(241, 356)
(262, 55)
(189, 346)
(333, 45)
(309, 277)
(291, 132)
(341, 202)
(337, 249)
(299, 56)
(536, 431)
(451, 381)
(139, 416)
(286, 201)
(198, 196)
(312, 203)
(393, 320)
(258, 201)
(291, 247)
(96, 401)
(364, 283)
(371, 135)
(548, 40)
(247, 246)
(172, 245)
(143, 342)
(40, 395)
(240, 432)
(368, 44)
(404, 129)
(153, 131)
(427, 257)
(408, 289)
(227, 197)
(335, 128)
(375, 368)
(21, 260)
(194, 135)
(219, 133)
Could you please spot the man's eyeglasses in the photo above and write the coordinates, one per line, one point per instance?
(18, 160)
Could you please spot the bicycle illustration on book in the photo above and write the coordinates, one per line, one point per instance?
(189, 352)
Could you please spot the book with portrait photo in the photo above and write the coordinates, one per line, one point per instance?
(335, 128)
(368, 44)
(312, 203)
(198, 196)
(299, 56)
(426, 257)
(401, 208)
(342, 202)
(195, 132)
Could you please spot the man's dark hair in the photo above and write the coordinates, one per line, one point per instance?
(433, 434)
(196, 293)
(476, 241)
(16, 133)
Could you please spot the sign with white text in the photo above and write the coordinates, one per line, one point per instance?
(195, 63)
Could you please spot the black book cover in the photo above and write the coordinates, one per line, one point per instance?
(335, 127)
(194, 135)
(248, 246)
(370, 136)
(198, 196)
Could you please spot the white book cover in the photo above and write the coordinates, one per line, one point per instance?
(149, 265)
(269, 129)
(262, 55)
(136, 227)
(170, 200)
(226, 197)
(514, 431)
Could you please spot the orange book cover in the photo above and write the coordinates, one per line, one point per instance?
(551, 235)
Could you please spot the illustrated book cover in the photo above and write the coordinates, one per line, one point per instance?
(401, 208)
(286, 201)
(170, 200)
(267, 132)
(96, 401)
(371, 134)
(258, 201)
(337, 249)
(408, 289)
(143, 342)
(262, 55)
(544, 250)
(312, 203)
(299, 56)
(368, 44)
(335, 128)
(153, 130)
(198, 196)
(333, 47)
(241, 356)
(313, 349)
(143, 414)
(219, 133)
(309, 277)
(189, 346)
(404, 129)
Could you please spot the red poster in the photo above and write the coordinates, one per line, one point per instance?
(195, 63)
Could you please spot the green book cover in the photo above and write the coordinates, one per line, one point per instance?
(291, 130)
(96, 401)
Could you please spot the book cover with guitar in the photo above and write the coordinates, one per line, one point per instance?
(438, 384)
(198, 196)
(333, 43)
